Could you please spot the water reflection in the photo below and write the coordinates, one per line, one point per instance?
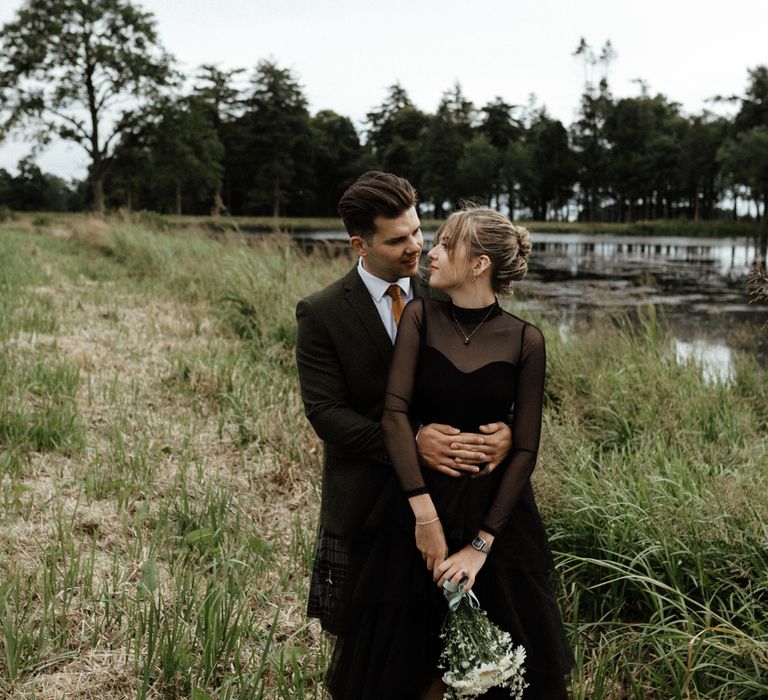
(727, 257)
(715, 359)
(698, 287)
(685, 275)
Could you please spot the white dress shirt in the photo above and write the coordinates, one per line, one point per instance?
(377, 288)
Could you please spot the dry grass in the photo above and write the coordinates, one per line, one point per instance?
(156, 443)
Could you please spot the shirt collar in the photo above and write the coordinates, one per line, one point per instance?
(378, 287)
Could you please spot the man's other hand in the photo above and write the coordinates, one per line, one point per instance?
(496, 446)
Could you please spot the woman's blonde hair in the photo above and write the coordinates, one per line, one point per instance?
(487, 232)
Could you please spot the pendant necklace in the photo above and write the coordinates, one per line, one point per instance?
(477, 328)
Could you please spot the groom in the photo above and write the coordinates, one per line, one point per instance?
(344, 347)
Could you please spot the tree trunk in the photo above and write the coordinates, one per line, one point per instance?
(696, 205)
(218, 205)
(276, 200)
(129, 199)
(97, 166)
(178, 199)
(98, 191)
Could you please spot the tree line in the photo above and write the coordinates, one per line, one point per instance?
(225, 142)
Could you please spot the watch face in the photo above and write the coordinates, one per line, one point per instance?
(480, 543)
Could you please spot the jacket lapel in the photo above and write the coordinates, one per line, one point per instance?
(358, 297)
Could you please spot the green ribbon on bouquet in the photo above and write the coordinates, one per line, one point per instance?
(454, 593)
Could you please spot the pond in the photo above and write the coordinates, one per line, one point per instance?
(697, 287)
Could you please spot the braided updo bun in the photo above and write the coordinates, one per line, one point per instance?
(487, 232)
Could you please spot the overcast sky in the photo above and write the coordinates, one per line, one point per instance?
(347, 52)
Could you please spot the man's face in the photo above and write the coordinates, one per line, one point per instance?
(394, 249)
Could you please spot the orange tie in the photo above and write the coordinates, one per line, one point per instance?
(397, 302)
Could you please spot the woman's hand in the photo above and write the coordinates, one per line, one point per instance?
(430, 541)
(465, 563)
(430, 538)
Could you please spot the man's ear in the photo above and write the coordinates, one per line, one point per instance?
(359, 245)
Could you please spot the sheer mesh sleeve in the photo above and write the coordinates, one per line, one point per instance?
(526, 428)
(398, 433)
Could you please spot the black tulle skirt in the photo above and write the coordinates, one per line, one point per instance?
(390, 624)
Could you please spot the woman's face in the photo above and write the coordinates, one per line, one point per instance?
(448, 269)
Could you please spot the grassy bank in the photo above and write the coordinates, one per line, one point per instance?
(294, 225)
(159, 483)
(693, 229)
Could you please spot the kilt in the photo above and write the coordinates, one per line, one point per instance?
(329, 578)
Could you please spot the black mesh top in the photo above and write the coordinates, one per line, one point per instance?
(437, 377)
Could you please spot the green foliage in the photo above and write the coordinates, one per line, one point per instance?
(478, 168)
(276, 131)
(173, 157)
(702, 136)
(444, 139)
(542, 166)
(745, 160)
(61, 58)
(395, 135)
(337, 154)
(753, 111)
(33, 190)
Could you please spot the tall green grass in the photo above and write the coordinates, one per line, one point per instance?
(168, 516)
(658, 504)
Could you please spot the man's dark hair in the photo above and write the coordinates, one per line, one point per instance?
(374, 194)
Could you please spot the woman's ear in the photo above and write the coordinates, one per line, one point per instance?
(480, 265)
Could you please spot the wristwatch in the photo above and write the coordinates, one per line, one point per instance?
(481, 545)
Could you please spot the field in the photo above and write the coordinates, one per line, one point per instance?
(159, 485)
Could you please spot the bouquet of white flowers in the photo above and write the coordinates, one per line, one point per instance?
(477, 655)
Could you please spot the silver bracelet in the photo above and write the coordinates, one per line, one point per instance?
(429, 522)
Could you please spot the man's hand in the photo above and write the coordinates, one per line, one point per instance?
(496, 445)
(449, 451)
